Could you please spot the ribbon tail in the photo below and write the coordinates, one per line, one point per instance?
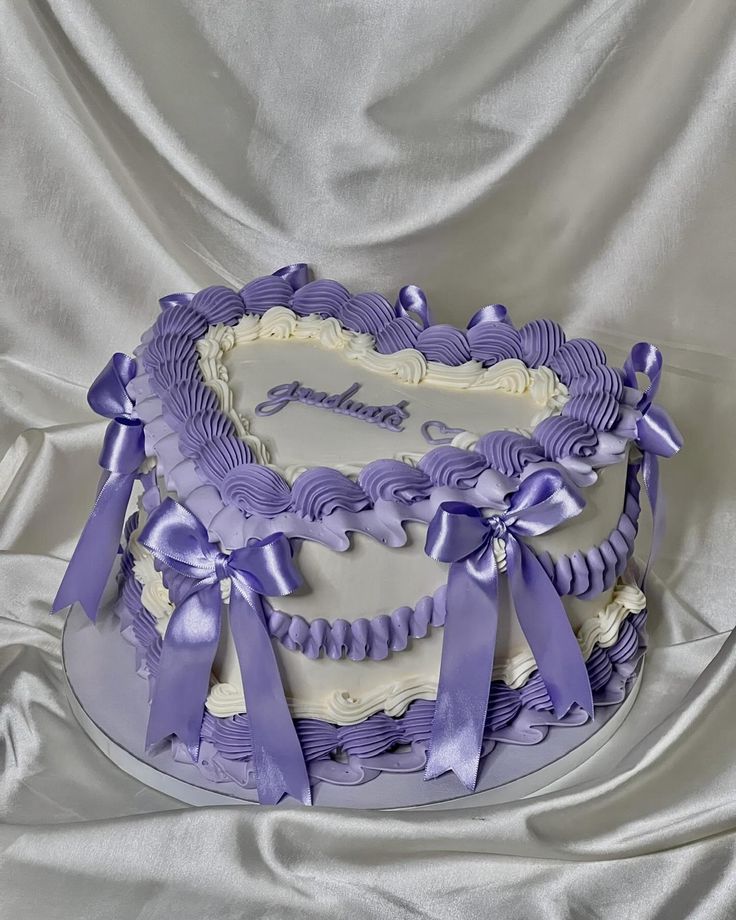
(91, 563)
(468, 645)
(650, 475)
(183, 680)
(544, 622)
(277, 754)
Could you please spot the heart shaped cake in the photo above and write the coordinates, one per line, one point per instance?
(366, 541)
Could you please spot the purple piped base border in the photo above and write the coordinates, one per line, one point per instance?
(354, 754)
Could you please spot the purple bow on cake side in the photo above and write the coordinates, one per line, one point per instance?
(461, 535)
(121, 456)
(656, 435)
(264, 567)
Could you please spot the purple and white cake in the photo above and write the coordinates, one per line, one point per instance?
(366, 541)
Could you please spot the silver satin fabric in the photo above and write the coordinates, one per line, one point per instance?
(571, 160)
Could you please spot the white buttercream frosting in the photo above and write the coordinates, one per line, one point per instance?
(345, 707)
(408, 367)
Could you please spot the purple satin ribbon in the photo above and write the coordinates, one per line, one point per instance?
(493, 313)
(656, 436)
(122, 454)
(460, 535)
(264, 567)
(297, 274)
(412, 301)
(176, 300)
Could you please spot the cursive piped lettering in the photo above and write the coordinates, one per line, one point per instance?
(389, 417)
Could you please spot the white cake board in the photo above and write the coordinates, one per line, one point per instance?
(110, 701)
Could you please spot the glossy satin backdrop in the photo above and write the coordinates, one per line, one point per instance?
(572, 160)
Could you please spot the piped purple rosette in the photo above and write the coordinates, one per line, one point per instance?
(215, 474)
(355, 754)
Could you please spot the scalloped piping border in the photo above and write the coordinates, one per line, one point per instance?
(205, 500)
(383, 521)
(510, 376)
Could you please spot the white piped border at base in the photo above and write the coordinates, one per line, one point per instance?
(99, 667)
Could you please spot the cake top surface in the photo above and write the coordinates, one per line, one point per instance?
(308, 393)
(294, 404)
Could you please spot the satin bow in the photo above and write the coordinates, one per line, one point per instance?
(264, 567)
(460, 535)
(656, 435)
(121, 456)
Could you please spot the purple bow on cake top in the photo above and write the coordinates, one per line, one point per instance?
(264, 567)
(412, 302)
(656, 435)
(297, 274)
(121, 456)
(461, 535)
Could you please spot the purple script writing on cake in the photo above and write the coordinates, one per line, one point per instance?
(389, 417)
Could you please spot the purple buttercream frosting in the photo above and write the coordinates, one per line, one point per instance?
(576, 357)
(170, 359)
(217, 457)
(218, 304)
(400, 333)
(539, 340)
(263, 293)
(508, 452)
(184, 402)
(363, 638)
(452, 466)
(366, 313)
(380, 733)
(494, 342)
(445, 344)
(392, 480)
(598, 379)
(170, 349)
(200, 429)
(599, 410)
(322, 490)
(256, 489)
(182, 320)
(562, 437)
(323, 297)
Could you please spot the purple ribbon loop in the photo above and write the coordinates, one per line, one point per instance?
(656, 436)
(297, 274)
(412, 301)
(461, 535)
(176, 300)
(493, 313)
(264, 567)
(121, 456)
